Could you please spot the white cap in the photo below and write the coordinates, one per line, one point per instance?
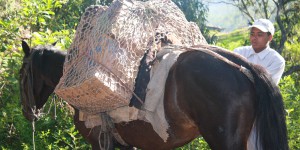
(264, 25)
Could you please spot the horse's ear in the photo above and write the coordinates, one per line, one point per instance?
(26, 48)
(53, 44)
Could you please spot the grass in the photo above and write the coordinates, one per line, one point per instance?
(233, 39)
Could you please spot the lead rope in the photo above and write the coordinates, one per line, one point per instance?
(53, 101)
(106, 127)
(55, 116)
(33, 130)
(34, 109)
(33, 123)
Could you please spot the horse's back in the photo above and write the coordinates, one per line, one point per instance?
(216, 96)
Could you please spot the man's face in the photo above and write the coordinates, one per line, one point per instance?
(259, 40)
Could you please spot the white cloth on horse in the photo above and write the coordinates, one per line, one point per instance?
(154, 103)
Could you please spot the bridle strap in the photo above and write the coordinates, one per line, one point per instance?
(28, 72)
(30, 98)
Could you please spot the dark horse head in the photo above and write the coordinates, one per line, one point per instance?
(36, 77)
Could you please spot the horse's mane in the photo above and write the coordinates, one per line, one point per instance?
(46, 51)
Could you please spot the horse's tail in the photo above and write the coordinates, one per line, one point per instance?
(271, 131)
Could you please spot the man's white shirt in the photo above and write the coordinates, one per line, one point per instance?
(271, 60)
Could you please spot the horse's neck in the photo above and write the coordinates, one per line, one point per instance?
(59, 63)
(54, 71)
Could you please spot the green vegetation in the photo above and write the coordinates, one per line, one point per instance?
(233, 39)
(38, 22)
(47, 21)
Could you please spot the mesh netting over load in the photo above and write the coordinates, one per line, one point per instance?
(102, 62)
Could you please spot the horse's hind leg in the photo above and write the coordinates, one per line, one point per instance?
(229, 126)
(127, 148)
(228, 133)
(224, 138)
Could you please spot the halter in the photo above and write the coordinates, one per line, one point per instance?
(30, 100)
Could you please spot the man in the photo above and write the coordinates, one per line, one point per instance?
(261, 34)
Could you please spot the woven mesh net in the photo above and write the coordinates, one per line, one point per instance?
(102, 62)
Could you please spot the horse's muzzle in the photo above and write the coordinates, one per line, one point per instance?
(29, 114)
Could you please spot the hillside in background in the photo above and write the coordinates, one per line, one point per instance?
(225, 16)
(234, 39)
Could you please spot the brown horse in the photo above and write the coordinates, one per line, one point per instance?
(205, 94)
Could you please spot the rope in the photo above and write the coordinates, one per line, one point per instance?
(33, 130)
(247, 72)
(49, 109)
(50, 105)
(205, 49)
(55, 116)
(105, 130)
(53, 100)
(108, 131)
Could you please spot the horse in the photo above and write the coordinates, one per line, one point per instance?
(206, 93)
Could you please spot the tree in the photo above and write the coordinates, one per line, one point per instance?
(195, 11)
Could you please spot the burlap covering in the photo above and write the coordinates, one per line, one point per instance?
(121, 114)
(102, 62)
